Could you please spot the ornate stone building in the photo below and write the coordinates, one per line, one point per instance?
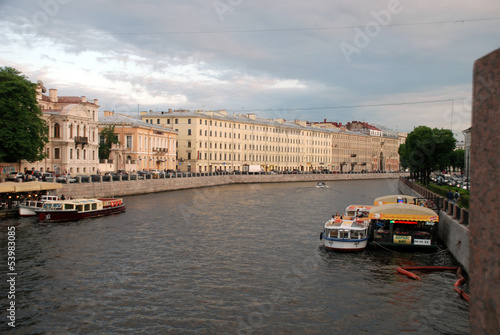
(73, 134)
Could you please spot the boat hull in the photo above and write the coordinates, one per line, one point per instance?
(71, 215)
(348, 245)
(26, 211)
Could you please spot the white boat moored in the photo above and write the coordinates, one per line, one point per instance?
(345, 234)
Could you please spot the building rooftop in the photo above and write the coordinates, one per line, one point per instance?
(120, 119)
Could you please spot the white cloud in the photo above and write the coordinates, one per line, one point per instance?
(279, 56)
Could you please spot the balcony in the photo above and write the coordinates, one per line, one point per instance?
(81, 140)
(160, 150)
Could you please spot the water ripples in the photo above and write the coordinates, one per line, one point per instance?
(225, 260)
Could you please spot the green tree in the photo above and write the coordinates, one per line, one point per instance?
(426, 150)
(110, 138)
(23, 131)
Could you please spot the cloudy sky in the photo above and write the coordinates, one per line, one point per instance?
(395, 63)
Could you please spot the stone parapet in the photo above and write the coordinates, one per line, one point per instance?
(134, 187)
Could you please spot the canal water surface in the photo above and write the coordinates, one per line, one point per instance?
(223, 260)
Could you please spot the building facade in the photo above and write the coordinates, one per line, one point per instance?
(142, 146)
(211, 141)
(73, 134)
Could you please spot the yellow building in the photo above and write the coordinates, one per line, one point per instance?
(143, 146)
(210, 141)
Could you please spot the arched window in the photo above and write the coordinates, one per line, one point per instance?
(57, 130)
(70, 131)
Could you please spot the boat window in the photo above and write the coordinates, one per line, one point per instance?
(94, 206)
(334, 233)
(57, 206)
(69, 206)
(343, 234)
(87, 207)
(79, 207)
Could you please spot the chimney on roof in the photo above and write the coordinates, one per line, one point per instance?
(170, 110)
(324, 121)
(53, 95)
(84, 99)
(96, 101)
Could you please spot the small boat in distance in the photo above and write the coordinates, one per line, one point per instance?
(321, 185)
(74, 209)
(27, 208)
(345, 234)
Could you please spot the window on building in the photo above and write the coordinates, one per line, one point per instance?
(189, 132)
(168, 121)
(70, 131)
(189, 144)
(57, 153)
(70, 153)
(189, 121)
(57, 130)
(176, 121)
(189, 155)
(129, 141)
(157, 121)
(77, 153)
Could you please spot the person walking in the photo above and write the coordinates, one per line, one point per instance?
(449, 195)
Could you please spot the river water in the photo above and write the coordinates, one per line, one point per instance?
(223, 260)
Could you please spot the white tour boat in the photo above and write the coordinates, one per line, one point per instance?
(27, 208)
(345, 234)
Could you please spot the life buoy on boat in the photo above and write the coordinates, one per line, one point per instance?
(320, 236)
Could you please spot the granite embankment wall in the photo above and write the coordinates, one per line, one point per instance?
(451, 230)
(134, 187)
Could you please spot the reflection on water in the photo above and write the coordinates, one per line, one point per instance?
(230, 259)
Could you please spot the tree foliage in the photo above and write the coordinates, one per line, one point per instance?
(427, 150)
(23, 131)
(110, 138)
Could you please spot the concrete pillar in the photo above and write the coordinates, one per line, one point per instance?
(456, 212)
(484, 211)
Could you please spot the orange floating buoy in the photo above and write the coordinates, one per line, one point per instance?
(409, 274)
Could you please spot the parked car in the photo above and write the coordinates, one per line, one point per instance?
(32, 175)
(15, 176)
(66, 178)
(109, 175)
(83, 178)
(122, 172)
(48, 176)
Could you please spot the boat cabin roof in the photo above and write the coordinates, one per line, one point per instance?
(362, 208)
(394, 199)
(343, 224)
(403, 212)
